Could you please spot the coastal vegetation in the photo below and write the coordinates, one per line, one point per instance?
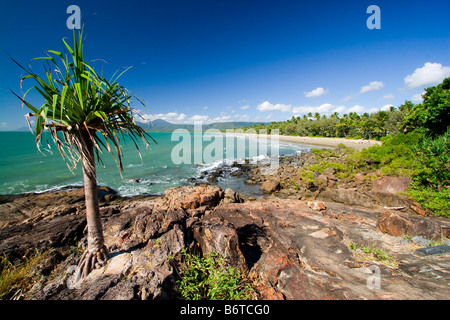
(211, 278)
(18, 277)
(351, 125)
(415, 143)
(85, 114)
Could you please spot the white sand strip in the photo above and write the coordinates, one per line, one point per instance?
(357, 144)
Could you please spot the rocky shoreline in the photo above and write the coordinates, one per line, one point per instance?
(309, 238)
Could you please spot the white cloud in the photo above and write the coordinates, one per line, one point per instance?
(267, 106)
(374, 85)
(356, 108)
(339, 109)
(348, 98)
(172, 117)
(205, 107)
(176, 118)
(222, 119)
(326, 108)
(429, 74)
(386, 107)
(198, 117)
(417, 98)
(316, 92)
(242, 117)
(389, 97)
(245, 107)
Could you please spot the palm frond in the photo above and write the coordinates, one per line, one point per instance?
(80, 105)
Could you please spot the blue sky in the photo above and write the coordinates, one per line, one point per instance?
(227, 60)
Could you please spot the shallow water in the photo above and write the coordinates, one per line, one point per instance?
(24, 169)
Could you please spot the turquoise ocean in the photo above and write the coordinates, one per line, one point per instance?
(24, 169)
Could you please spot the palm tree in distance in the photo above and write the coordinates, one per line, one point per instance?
(84, 114)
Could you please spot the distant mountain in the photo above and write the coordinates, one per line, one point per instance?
(160, 125)
(23, 129)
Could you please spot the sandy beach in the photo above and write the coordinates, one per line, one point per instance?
(357, 144)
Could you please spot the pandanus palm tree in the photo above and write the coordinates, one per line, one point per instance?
(84, 114)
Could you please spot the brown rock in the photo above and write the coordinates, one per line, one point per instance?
(359, 178)
(322, 179)
(16, 241)
(394, 225)
(427, 228)
(417, 208)
(290, 251)
(445, 231)
(328, 171)
(391, 185)
(317, 205)
(222, 239)
(192, 197)
(282, 277)
(231, 196)
(271, 185)
(332, 183)
(348, 197)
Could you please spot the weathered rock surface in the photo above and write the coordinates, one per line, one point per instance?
(394, 224)
(31, 222)
(17, 240)
(399, 225)
(270, 185)
(192, 197)
(290, 250)
(369, 190)
(391, 185)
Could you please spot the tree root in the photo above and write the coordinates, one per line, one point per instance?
(89, 261)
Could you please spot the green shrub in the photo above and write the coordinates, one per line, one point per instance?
(342, 170)
(307, 176)
(434, 155)
(325, 153)
(396, 157)
(431, 184)
(295, 184)
(436, 201)
(211, 278)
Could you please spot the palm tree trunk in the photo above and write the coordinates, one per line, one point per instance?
(96, 253)
(93, 217)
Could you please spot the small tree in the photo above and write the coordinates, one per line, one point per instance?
(433, 113)
(85, 114)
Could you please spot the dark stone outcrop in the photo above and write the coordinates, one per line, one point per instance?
(289, 250)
